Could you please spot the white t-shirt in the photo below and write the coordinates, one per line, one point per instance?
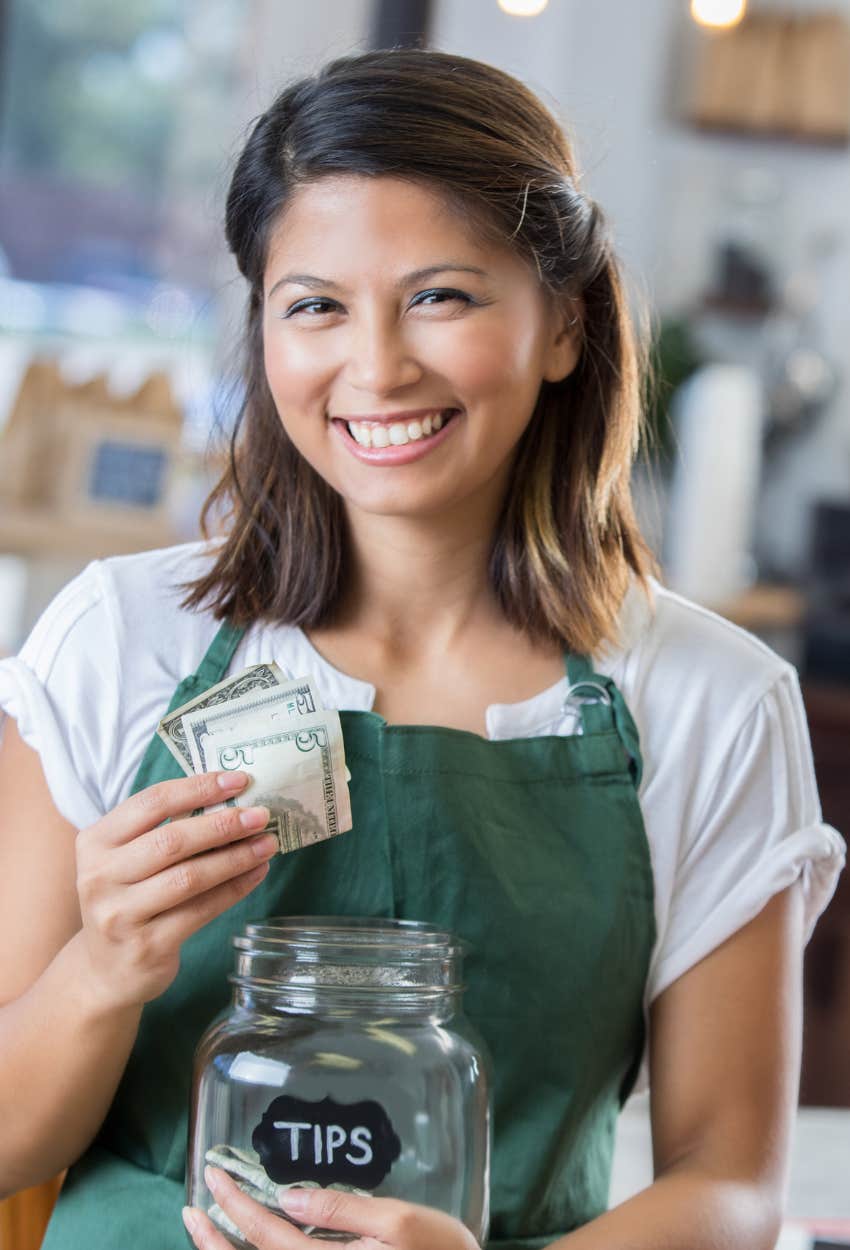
(728, 792)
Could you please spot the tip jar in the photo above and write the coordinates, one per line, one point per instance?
(344, 1061)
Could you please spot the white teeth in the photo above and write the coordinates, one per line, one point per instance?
(395, 435)
(362, 433)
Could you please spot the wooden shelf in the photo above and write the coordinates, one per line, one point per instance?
(764, 607)
(40, 533)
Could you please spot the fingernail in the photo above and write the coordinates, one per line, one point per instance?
(265, 845)
(295, 1201)
(212, 1179)
(232, 781)
(254, 817)
(190, 1219)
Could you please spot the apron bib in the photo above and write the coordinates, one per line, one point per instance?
(531, 849)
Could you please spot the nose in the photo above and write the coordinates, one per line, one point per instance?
(380, 357)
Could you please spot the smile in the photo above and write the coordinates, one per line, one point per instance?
(396, 443)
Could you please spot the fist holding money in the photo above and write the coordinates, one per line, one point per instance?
(277, 731)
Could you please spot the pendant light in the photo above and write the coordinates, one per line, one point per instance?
(523, 8)
(719, 14)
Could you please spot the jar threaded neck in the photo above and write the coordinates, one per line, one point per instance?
(301, 962)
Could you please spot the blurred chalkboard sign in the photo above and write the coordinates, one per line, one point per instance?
(127, 473)
(78, 453)
(119, 465)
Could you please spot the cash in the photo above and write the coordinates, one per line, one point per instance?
(246, 1169)
(170, 728)
(276, 729)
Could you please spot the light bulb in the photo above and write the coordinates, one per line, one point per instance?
(718, 12)
(523, 8)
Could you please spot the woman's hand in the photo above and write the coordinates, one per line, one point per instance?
(379, 1222)
(144, 886)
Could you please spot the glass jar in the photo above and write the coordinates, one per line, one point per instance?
(344, 1061)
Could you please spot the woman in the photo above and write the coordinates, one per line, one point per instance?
(429, 513)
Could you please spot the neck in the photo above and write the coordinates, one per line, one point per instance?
(419, 584)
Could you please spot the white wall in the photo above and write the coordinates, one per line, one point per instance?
(288, 40)
(614, 72)
(601, 68)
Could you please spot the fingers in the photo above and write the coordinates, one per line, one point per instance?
(186, 882)
(387, 1220)
(203, 1232)
(172, 846)
(380, 1222)
(259, 1227)
(166, 800)
(179, 923)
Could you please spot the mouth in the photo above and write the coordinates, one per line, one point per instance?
(396, 442)
(379, 434)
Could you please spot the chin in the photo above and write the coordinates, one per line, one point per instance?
(396, 503)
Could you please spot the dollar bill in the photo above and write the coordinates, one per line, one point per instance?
(257, 677)
(307, 801)
(278, 705)
(297, 770)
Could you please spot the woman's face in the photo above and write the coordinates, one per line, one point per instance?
(354, 334)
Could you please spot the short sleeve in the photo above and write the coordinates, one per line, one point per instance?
(759, 830)
(59, 688)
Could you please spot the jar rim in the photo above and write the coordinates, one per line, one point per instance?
(362, 932)
(345, 955)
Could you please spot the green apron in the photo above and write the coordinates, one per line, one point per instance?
(534, 851)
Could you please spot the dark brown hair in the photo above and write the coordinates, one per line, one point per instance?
(566, 538)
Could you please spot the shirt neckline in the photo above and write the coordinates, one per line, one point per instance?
(540, 711)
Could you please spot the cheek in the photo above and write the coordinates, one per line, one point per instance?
(289, 372)
(496, 364)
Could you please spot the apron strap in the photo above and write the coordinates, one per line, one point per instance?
(603, 708)
(158, 762)
(216, 662)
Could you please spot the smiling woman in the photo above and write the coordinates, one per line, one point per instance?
(604, 790)
(530, 346)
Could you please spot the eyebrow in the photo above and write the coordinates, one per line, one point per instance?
(310, 280)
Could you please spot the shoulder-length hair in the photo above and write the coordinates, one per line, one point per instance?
(566, 542)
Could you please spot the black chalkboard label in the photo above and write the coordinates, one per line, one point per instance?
(325, 1141)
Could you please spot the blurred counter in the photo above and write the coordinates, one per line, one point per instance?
(818, 1189)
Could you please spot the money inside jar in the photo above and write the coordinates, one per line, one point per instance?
(246, 1170)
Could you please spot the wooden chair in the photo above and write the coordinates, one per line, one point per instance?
(24, 1216)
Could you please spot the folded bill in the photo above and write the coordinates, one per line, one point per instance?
(297, 770)
(257, 677)
(276, 729)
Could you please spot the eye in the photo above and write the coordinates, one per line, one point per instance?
(307, 303)
(446, 293)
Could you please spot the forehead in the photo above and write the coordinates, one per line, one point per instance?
(383, 213)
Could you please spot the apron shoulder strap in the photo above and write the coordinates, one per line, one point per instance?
(603, 708)
(216, 662)
(158, 764)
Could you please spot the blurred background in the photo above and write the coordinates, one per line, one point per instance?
(715, 135)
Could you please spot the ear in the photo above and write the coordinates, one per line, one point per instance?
(565, 345)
